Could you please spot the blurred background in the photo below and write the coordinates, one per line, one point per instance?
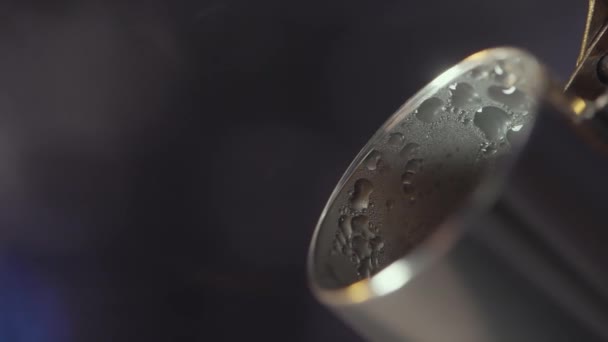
(163, 163)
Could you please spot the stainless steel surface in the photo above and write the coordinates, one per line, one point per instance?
(440, 230)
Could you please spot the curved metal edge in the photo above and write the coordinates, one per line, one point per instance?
(400, 272)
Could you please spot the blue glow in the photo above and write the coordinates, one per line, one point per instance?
(30, 308)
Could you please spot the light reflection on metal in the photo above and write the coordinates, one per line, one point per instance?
(578, 106)
(391, 278)
(358, 292)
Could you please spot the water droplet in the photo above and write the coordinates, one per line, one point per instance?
(395, 139)
(361, 247)
(409, 150)
(341, 239)
(498, 70)
(478, 73)
(374, 242)
(407, 176)
(462, 94)
(360, 224)
(504, 73)
(373, 159)
(517, 128)
(413, 165)
(372, 228)
(360, 198)
(510, 96)
(345, 226)
(429, 109)
(378, 244)
(493, 122)
(488, 149)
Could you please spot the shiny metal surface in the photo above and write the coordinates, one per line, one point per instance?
(485, 252)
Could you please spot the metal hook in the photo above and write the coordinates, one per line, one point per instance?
(590, 78)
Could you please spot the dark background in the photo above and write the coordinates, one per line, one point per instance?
(163, 163)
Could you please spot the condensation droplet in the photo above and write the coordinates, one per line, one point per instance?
(479, 72)
(373, 160)
(462, 94)
(361, 247)
(429, 109)
(407, 176)
(409, 150)
(488, 149)
(377, 243)
(503, 73)
(493, 122)
(360, 224)
(395, 139)
(345, 226)
(413, 165)
(360, 197)
(510, 96)
(498, 70)
(341, 239)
